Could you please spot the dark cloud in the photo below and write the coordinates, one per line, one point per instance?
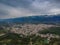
(54, 1)
(27, 3)
(15, 3)
(57, 0)
(3, 12)
(27, 7)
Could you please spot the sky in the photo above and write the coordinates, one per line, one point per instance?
(20, 8)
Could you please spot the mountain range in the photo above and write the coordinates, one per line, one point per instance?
(34, 19)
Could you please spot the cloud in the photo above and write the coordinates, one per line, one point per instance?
(44, 7)
(12, 12)
(15, 3)
(19, 8)
(55, 11)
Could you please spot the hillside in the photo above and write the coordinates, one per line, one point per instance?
(34, 19)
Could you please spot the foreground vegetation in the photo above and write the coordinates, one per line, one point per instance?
(52, 30)
(20, 39)
(16, 39)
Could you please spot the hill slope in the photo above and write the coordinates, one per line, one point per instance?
(34, 19)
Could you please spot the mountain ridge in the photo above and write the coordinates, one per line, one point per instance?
(34, 19)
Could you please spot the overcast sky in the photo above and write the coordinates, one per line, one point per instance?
(19, 8)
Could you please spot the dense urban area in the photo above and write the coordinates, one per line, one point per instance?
(29, 34)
